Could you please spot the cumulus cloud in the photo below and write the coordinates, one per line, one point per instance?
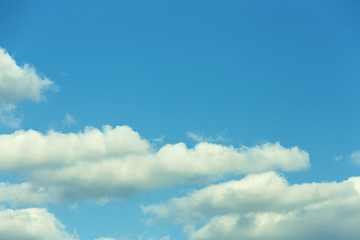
(117, 162)
(32, 224)
(26, 149)
(16, 84)
(265, 206)
(20, 83)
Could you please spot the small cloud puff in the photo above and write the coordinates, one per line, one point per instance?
(201, 138)
(68, 120)
(7, 116)
(339, 158)
(355, 157)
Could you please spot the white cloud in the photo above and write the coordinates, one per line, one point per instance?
(117, 162)
(23, 194)
(17, 84)
(31, 224)
(26, 149)
(20, 83)
(265, 206)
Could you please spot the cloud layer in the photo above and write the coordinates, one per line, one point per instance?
(265, 206)
(117, 162)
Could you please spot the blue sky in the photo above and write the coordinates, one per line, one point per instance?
(250, 87)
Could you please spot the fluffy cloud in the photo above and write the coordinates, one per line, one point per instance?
(265, 206)
(31, 224)
(20, 83)
(17, 84)
(32, 149)
(24, 194)
(116, 162)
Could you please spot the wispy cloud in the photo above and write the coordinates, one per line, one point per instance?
(339, 158)
(7, 115)
(355, 157)
(197, 137)
(69, 120)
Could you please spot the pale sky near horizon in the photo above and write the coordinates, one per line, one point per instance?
(159, 120)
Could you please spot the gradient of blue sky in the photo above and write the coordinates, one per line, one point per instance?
(251, 71)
